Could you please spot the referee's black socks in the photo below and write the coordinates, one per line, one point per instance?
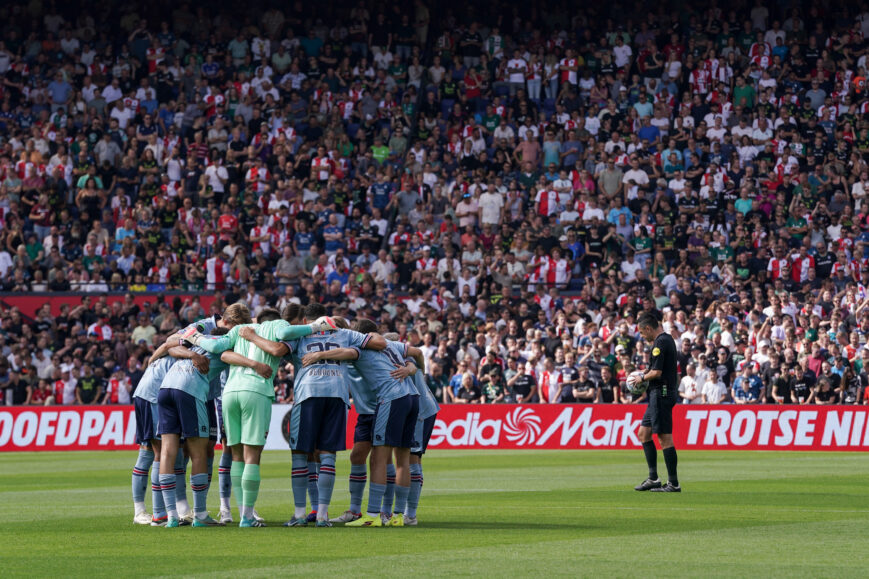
(670, 460)
(652, 459)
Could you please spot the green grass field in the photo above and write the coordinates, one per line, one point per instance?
(483, 513)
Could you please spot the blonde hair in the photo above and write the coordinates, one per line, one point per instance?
(237, 314)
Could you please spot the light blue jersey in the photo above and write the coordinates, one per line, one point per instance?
(224, 376)
(428, 405)
(206, 326)
(203, 326)
(149, 385)
(375, 368)
(185, 377)
(327, 378)
(215, 387)
(364, 398)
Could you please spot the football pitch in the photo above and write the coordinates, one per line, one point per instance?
(485, 513)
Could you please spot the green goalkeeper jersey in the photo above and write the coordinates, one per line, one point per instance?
(243, 379)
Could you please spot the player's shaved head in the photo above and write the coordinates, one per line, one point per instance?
(391, 336)
(365, 326)
(237, 314)
(268, 315)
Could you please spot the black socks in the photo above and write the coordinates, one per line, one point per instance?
(652, 459)
(670, 460)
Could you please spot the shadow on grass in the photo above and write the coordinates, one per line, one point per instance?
(479, 525)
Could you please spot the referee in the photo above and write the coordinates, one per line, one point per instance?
(663, 395)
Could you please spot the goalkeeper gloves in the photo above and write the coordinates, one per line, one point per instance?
(323, 324)
(192, 335)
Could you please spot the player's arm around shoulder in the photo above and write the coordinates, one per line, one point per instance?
(375, 342)
(251, 333)
(370, 341)
(235, 359)
(163, 350)
(216, 344)
(337, 354)
(417, 356)
(200, 362)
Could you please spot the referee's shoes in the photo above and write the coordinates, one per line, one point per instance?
(668, 488)
(648, 485)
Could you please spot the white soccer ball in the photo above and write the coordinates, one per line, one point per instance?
(635, 383)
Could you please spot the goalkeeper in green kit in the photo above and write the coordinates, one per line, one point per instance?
(247, 400)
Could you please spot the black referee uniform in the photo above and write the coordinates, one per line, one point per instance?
(663, 391)
(658, 420)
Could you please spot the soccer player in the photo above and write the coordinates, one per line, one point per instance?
(145, 405)
(183, 413)
(233, 315)
(247, 401)
(224, 483)
(318, 421)
(365, 402)
(428, 409)
(663, 395)
(294, 314)
(185, 515)
(394, 418)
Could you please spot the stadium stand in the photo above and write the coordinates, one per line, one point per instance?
(505, 187)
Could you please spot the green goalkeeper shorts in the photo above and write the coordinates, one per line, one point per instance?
(246, 418)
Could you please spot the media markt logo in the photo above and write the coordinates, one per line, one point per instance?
(522, 426)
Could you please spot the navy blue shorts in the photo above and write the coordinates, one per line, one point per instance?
(210, 407)
(182, 413)
(146, 420)
(319, 424)
(364, 425)
(221, 433)
(422, 435)
(395, 421)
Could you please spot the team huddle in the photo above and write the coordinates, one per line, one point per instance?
(214, 381)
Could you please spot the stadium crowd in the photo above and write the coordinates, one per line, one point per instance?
(506, 188)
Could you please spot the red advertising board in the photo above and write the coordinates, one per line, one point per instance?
(67, 428)
(535, 426)
(573, 426)
(30, 304)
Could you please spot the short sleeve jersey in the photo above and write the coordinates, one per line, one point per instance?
(216, 385)
(149, 385)
(364, 399)
(327, 378)
(185, 377)
(375, 368)
(664, 359)
(243, 379)
(428, 406)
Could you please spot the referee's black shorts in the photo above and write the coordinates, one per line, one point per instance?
(659, 413)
